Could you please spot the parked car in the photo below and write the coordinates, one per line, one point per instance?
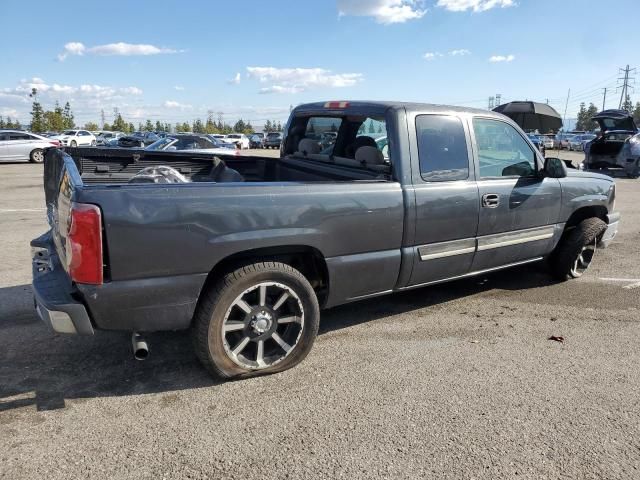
(240, 140)
(538, 142)
(76, 138)
(245, 251)
(105, 136)
(137, 140)
(577, 143)
(547, 142)
(256, 140)
(617, 145)
(16, 145)
(217, 140)
(561, 141)
(189, 142)
(273, 140)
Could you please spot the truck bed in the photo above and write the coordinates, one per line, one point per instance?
(118, 166)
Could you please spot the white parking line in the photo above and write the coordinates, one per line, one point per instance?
(631, 282)
(13, 210)
(620, 279)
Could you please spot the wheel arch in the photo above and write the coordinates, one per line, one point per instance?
(582, 213)
(306, 259)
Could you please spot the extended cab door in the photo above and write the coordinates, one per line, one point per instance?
(519, 207)
(446, 198)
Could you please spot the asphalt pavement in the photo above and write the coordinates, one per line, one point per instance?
(457, 381)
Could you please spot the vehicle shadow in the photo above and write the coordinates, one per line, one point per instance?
(38, 367)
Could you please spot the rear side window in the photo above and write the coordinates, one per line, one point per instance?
(18, 136)
(442, 148)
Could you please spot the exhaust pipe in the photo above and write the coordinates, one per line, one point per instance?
(140, 347)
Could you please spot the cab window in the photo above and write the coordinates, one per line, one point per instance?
(502, 152)
(442, 148)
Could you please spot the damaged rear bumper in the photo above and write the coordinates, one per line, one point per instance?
(53, 292)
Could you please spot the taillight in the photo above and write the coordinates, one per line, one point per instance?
(84, 244)
(55, 143)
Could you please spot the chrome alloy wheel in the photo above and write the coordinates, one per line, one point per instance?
(263, 325)
(584, 259)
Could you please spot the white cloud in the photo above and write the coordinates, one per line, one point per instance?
(475, 5)
(119, 48)
(174, 104)
(235, 80)
(131, 90)
(453, 53)
(280, 89)
(432, 55)
(295, 80)
(179, 88)
(384, 11)
(502, 58)
(87, 99)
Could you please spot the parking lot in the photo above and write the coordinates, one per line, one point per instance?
(453, 381)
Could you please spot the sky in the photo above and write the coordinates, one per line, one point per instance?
(176, 61)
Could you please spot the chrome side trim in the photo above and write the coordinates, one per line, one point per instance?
(515, 238)
(447, 249)
(472, 274)
(369, 295)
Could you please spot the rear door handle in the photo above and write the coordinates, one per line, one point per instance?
(490, 200)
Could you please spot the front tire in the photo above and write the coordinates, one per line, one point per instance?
(36, 156)
(73, 144)
(258, 319)
(576, 250)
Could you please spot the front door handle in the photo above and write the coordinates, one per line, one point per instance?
(490, 200)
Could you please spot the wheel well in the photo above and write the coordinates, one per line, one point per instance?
(583, 213)
(307, 260)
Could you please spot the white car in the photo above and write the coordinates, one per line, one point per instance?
(76, 138)
(239, 139)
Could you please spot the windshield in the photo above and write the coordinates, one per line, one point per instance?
(233, 136)
(69, 132)
(161, 144)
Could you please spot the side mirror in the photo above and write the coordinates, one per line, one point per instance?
(554, 168)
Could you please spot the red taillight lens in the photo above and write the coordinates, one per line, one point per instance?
(55, 143)
(84, 247)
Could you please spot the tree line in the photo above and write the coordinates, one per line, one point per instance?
(585, 114)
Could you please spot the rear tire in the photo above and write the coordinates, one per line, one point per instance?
(259, 319)
(576, 250)
(36, 156)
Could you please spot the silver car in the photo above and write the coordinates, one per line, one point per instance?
(103, 138)
(18, 145)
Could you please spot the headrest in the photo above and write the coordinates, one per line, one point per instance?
(369, 156)
(308, 146)
(362, 141)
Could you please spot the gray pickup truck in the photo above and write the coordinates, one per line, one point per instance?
(245, 251)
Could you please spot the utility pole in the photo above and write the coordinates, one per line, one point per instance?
(604, 98)
(498, 99)
(102, 117)
(566, 106)
(626, 83)
(491, 103)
